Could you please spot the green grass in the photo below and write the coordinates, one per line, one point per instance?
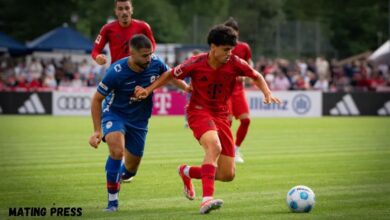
(46, 162)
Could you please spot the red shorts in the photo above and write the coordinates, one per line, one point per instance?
(237, 102)
(201, 121)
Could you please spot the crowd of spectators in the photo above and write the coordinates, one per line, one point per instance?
(48, 74)
(16, 74)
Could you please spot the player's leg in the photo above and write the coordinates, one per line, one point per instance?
(241, 112)
(135, 144)
(212, 148)
(226, 166)
(116, 142)
(129, 167)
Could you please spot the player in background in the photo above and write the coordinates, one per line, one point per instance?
(213, 76)
(188, 81)
(238, 105)
(119, 32)
(122, 120)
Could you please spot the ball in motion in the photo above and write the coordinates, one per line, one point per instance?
(300, 199)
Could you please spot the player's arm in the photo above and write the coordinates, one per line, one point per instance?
(149, 34)
(96, 109)
(98, 47)
(142, 93)
(181, 84)
(260, 82)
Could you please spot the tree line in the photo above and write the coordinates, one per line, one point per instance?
(350, 27)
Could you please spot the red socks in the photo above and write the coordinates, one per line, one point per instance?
(195, 172)
(208, 178)
(242, 131)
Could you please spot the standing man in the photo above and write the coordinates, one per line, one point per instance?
(238, 105)
(119, 32)
(213, 76)
(123, 118)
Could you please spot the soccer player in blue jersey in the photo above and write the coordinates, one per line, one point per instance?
(122, 117)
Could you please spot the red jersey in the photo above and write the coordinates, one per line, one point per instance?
(212, 87)
(118, 38)
(243, 51)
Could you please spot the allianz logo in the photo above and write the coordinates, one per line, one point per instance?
(258, 104)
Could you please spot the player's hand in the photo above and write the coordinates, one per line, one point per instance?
(140, 92)
(101, 59)
(188, 89)
(95, 139)
(269, 98)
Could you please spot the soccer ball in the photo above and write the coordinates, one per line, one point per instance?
(300, 199)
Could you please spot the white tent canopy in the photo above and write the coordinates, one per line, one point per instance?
(382, 54)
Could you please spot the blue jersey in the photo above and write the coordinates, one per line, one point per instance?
(118, 86)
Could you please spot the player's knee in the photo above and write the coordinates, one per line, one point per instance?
(245, 121)
(116, 153)
(227, 177)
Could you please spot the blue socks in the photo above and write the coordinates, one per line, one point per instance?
(113, 184)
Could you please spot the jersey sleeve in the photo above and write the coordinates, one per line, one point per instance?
(108, 83)
(100, 42)
(244, 69)
(248, 53)
(149, 34)
(183, 70)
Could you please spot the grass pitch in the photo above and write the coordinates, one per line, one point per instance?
(45, 161)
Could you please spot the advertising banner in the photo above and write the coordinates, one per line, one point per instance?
(26, 103)
(294, 104)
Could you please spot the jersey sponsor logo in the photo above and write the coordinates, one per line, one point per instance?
(101, 84)
(214, 90)
(385, 110)
(33, 105)
(98, 38)
(301, 104)
(118, 68)
(178, 70)
(346, 106)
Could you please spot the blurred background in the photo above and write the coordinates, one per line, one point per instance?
(328, 46)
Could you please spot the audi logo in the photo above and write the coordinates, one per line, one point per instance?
(74, 102)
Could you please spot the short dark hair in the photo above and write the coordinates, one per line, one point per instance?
(116, 1)
(222, 35)
(231, 22)
(140, 41)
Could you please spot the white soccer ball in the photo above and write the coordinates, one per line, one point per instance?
(300, 199)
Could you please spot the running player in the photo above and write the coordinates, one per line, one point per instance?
(213, 76)
(123, 118)
(119, 32)
(238, 105)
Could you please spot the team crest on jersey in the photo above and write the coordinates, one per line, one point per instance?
(99, 37)
(117, 68)
(109, 124)
(178, 71)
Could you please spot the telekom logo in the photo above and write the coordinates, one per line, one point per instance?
(162, 101)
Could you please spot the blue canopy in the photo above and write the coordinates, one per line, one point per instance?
(10, 45)
(62, 39)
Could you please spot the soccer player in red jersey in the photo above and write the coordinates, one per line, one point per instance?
(119, 32)
(213, 76)
(238, 105)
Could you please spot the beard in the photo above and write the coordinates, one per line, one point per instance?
(143, 65)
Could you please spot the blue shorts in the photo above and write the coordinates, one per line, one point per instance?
(134, 137)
